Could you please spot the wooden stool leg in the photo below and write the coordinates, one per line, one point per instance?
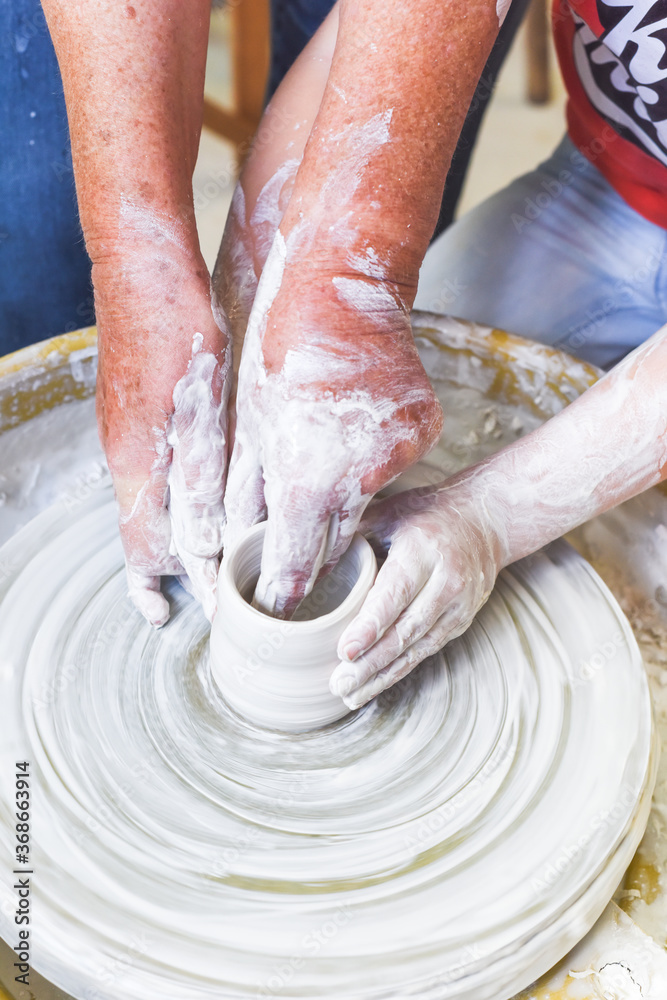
(251, 34)
(250, 41)
(537, 52)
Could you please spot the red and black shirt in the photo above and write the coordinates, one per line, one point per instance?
(613, 57)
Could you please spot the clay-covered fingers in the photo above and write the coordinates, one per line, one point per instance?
(196, 534)
(343, 525)
(295, 546)
(146, 533)
(197, 436)
(305, 538)
(163, 386)
(398, 583)
(402, 605)
(244, 496)
(145, 593)
(448, 627)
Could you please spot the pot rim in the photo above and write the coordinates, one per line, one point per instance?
(365, 580)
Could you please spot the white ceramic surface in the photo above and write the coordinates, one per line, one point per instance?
(147, 822)
(276, 673)
(453, 839)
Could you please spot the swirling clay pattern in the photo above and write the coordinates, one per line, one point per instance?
(454, 838)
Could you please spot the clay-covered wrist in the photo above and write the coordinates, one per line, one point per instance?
(151, 300)
(368, 245)
(135, 228)
(478, 498)
(355, 317)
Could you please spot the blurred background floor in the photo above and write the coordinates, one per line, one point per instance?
(514, 137)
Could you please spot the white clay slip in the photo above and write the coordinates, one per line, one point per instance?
(276, 673)
(495, 796)
(183, 852)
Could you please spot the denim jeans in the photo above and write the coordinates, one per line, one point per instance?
(557, 256)
(44, 269)
(45, 284)
(293, 24)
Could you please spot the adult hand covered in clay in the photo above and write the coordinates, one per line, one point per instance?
(134, 80)
(333, 403)
(162, 393)
(332, 399)
(443, 560)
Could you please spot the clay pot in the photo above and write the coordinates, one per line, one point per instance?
(276, 673)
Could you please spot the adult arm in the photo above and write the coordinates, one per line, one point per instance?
(133, 75)
(333, 401)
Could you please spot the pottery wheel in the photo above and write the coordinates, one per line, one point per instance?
(454, 838)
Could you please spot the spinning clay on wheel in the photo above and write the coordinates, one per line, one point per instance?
(495, 796)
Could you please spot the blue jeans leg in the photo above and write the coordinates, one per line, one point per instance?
(45, 284)
(557, 256)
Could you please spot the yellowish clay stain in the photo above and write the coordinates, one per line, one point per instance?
(41, 377)
(550, 993)
(37, 354)
(501, 353)
(643, 877)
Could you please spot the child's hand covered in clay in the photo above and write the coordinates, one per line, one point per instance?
(333, 403)
(162, 395)
(442, 563)
(446, 544)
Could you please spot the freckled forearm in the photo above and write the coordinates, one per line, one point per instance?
(133, 77)
(400, 84)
